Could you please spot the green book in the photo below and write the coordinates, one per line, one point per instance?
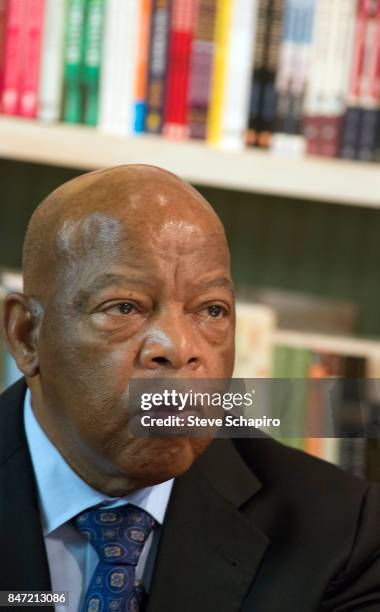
(73, 54)
(293, 363)
(298, 369)
(92, 54)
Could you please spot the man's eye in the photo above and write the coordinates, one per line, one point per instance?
(215, 311)
(124, 309)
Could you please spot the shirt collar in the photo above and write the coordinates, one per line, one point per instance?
(63, 494)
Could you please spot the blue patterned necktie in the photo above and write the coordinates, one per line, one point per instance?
(118, 536)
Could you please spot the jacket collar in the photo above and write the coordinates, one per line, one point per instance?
(209, 552)
(20, 523)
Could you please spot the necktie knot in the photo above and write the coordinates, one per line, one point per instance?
(118, 535)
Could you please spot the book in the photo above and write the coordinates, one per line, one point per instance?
(370, 87)
(92, 54)
(352, 449)
(73, 57)
(51, 71)
(352, 116)
(2, 39)
(141, 74)
(182, 23)
(201, 63)
(12, 56)
(292, 77)
(323, 365)
(30, 71)
(257, 73)
(268, 104)
(312, 121)
(119, 61)
(214, 118)
(255, 325)
(236, 90)
(158, 57)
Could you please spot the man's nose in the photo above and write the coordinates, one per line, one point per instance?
(170, 343)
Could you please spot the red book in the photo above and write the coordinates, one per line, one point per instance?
(180, 41)
(2, 38)
(34, 14)
(12, 56)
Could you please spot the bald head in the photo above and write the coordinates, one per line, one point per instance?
(98, 211)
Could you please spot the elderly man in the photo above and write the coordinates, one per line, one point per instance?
(126, 275)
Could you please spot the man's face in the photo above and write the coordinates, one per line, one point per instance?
(145, 298)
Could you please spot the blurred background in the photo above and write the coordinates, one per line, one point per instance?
(269, 107)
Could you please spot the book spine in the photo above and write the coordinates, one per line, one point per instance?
(176, 97)
(13, 56)
(269, 98)
(30, 72)
(255, 325)
(158, 56)
(314, 93)
(333, 97)
(238, 72)
(126, 66)
(370, 89)
(108, 82)
(202, 54)
(285, 68)
(352, 117)
(376, 152)
(119, 61)
(257, 75)
(291, 77)
(2, 40)
(144, 22)
(222, 20)
(51, 74)
(291, 89)
(73, 53)
(92, 54)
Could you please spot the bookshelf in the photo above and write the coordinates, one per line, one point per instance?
(340, 345)
(252, 171)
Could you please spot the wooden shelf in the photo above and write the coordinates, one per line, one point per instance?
(340, 345)
(337, 181)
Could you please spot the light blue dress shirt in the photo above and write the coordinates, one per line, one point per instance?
(63, 495)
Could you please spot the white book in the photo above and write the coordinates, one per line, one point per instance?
(293, 70)
(255, 327)
(335, 67)
(51, 75)
(314, 90)
(119, 67)
(237, 83)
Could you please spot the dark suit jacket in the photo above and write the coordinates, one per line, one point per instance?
(252, 526)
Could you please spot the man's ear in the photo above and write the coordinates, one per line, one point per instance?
(21, 332)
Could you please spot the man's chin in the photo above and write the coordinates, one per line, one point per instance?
(166, 458)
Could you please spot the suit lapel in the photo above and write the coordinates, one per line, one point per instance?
(21, 539)
(209, 553)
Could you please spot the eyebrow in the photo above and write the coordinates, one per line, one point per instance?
(104, 281)
(222, 281)
(110, 278)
